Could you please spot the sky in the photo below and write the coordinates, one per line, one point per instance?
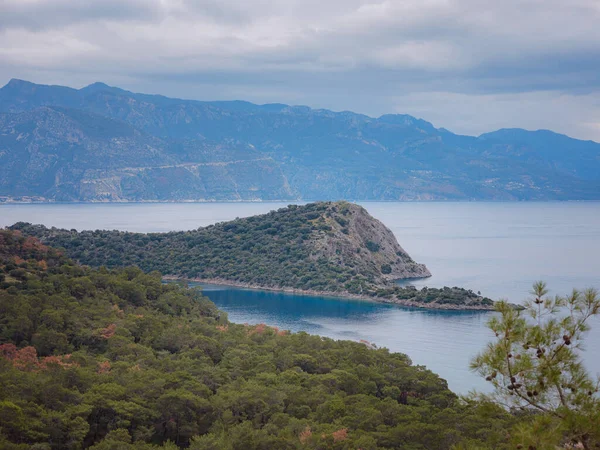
(470, 66)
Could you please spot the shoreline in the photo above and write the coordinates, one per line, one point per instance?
(339, 295)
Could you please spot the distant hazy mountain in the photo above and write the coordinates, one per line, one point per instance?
(102, 143)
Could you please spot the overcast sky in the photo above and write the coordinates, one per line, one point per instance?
(467, 65)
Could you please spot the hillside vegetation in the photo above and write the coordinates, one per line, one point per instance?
(335, 248)
(102, 143)
(115, 359)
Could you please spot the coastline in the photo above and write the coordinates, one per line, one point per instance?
(339, 295)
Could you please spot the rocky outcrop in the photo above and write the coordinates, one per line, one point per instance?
(359, 241)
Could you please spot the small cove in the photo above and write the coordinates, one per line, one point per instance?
(413, 331)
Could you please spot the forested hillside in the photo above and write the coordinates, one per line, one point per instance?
(115, 359)
(60, 144)
(334, 248)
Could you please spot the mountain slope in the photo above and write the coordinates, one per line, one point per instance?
(71, 155)
(115, 359)
(320, 154)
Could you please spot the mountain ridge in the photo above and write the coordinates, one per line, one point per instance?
(307, 154)
(101, 86)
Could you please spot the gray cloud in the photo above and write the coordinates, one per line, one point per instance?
(467, 65)
(37, 15)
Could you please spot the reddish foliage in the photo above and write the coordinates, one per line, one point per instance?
(33, 244)
(222, 328)
(18, 260)
(279, 332)
(8, 351)
(305, 435)
(340, 435)
(258, 329)
(104, 367)
(15, 247)
(62, 361)
(27, 359)
(109, 331)
(22, 358)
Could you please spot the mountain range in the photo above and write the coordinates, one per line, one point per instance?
(102, 143)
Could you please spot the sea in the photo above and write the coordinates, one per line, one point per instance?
(499, 249)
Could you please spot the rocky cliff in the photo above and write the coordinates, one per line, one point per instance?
(359, 241)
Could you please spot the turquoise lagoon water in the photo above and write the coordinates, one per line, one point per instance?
(499, 249)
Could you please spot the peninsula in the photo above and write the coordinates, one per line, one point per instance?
(324, 248)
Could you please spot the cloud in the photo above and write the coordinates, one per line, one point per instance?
(341, 54)
(38, 15)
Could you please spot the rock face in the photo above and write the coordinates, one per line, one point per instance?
(361, 242)
(102, 143)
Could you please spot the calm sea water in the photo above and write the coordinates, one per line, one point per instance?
(499, 249)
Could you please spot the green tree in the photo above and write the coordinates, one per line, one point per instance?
(535, 366)
(113, 359)
(180, 412)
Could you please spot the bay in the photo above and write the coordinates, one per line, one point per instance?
(499, 249)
